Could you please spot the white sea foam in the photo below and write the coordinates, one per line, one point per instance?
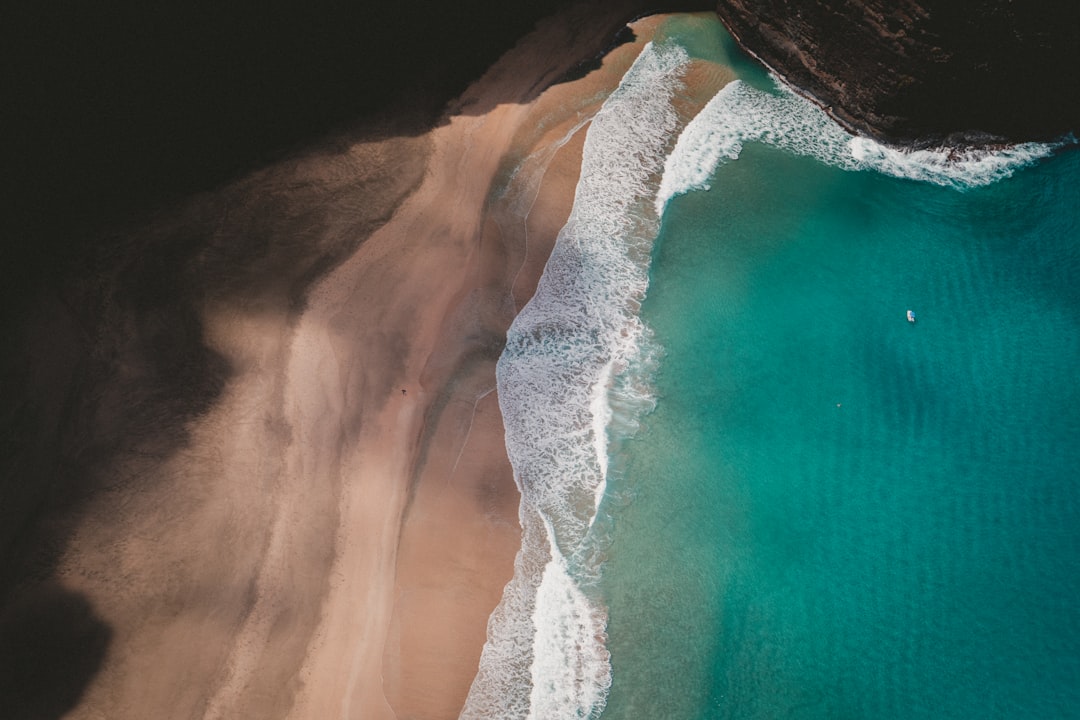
(739, 114)
(600, 409)
(545, 655)
(571, 670)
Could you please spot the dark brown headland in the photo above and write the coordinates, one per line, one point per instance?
(922, 72)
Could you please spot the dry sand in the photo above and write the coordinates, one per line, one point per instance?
(328, 538)
(323, 544)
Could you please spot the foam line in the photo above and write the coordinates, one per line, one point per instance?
(739, 114)
(545, 655)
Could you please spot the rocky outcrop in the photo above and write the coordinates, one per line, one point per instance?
(924, 71)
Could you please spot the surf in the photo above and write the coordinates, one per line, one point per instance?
(740, 113)
(545, 655)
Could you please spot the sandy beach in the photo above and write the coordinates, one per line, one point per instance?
(253, 462)
(328, 538)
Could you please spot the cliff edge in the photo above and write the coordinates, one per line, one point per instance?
(924, 71)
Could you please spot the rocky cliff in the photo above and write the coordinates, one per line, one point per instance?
(915, 71)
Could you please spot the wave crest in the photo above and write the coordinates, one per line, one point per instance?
(739, 114)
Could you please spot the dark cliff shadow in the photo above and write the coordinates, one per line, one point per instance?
(112, 113)
(116, 115)
(51, 646)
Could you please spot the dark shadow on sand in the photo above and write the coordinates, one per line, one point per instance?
(112, 117)
(110, 113)
(51, 646)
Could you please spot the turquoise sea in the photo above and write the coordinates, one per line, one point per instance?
(836, 513)
(809, 507)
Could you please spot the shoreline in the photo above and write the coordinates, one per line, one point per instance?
(320, 543)
(546, 653)
(458, 531)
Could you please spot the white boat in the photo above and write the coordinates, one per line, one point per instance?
(910, 316)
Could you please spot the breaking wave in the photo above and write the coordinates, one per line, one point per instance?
(571, 372)
(740, 114)
(545, 655)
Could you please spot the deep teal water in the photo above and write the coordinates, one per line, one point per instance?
(833, 513)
